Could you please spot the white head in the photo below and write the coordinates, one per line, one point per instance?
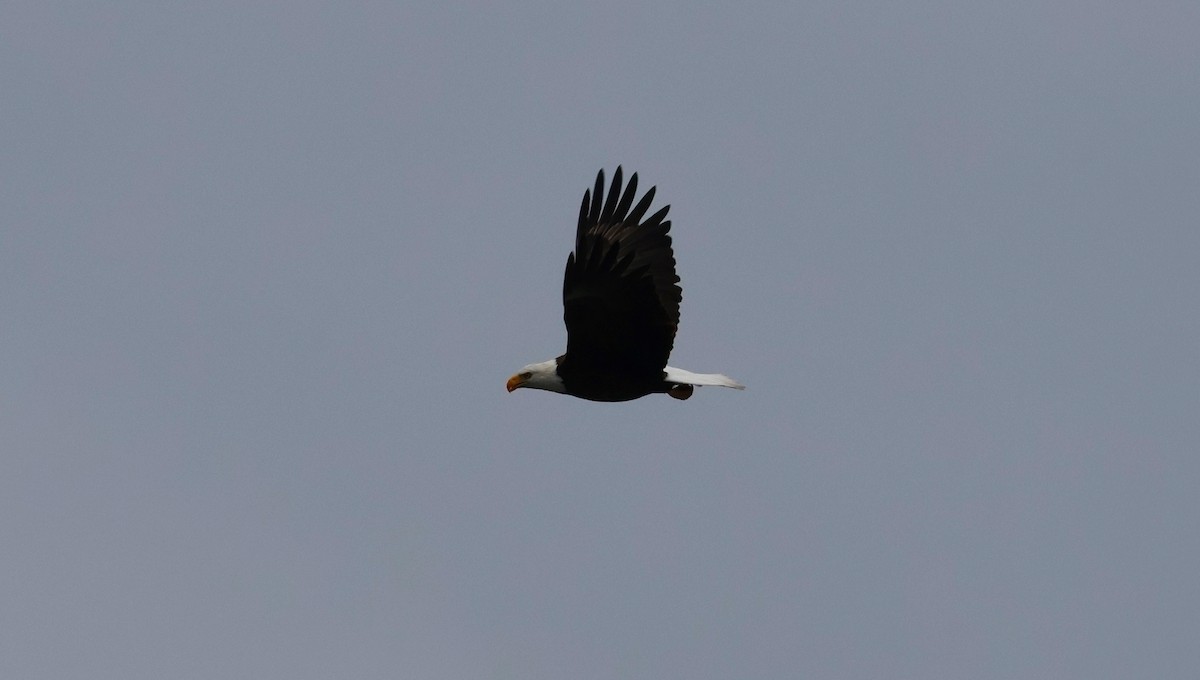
(540, 376)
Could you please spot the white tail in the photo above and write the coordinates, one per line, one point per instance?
(678, 375)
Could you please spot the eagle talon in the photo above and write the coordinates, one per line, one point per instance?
(681, 392)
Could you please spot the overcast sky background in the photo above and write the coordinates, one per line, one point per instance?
(265, 267)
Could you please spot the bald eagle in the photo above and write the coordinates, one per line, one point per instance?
(621, 305)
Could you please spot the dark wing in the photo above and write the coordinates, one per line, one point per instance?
(620, 293)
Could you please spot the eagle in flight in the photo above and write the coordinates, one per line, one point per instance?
(620, 304)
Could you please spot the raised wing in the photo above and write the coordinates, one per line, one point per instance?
(620, 291)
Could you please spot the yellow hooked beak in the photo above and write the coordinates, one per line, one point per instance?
(516, 381)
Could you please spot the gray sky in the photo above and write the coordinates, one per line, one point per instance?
(265, 267)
